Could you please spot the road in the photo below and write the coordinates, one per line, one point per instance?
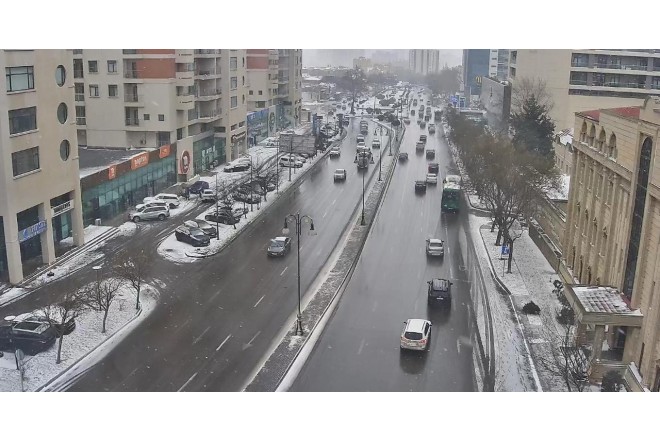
(359, 348)
(217, 318)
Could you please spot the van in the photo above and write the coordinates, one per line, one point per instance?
(286, 161)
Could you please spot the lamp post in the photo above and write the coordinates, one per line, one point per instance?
(380, 153)
(251, 184)
(299, 220)
(362, 222)
(217, 226)
(97, 269)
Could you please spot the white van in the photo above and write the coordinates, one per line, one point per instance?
(171, 199)
(287, 161)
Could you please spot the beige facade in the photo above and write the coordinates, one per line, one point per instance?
(588, 78)
(424, 61)
(40, 186)
(613, 223)
(563, 146)
(145, 98)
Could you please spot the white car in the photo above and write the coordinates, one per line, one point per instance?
(375, 144)
(340, 175)
(435, 247)
(416, 335)
(431, 178)
(171, 199)
(207, 195)
(335, 151)
(453, 178)
(286, 161)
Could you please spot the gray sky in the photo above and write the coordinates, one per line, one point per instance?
(344, 57)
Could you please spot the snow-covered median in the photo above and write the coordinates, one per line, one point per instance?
(84, 347)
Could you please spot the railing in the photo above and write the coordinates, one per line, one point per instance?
(634, 67)
(579, 64)
(206, 52)
(655, 85)
(80, 97)
(130, 74)
(607, 66)
(204, 72)
(577, 82)
(132, 122)
(133, 97)
(208, 114)
(185, 93)
(129, 51)
(81, 120)
(205, 93)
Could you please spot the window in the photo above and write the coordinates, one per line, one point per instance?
(146, 117)
(179, 134)
(65, 150)
(62, 113)
(233, 127)
(244, 80)
(22, 120)
(233, 84)
(163, 138)
(77, 68)
(243, 99)
(60, 75)
(112, 90)
(251, 92)
(19, 78)
(80, 115)
(261, 104)
(261, 92)
(25, 161)
(232, 63)
(243, 61)
(112, 66)
(94, 90)
(93, 66)
(234, 101)
(161, 117)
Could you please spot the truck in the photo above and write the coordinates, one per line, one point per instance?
(451, 197)
(364, 127)
(437, 115)
(363, 158)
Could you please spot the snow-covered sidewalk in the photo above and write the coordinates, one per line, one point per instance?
(84, 347)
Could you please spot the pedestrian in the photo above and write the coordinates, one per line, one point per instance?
(187, 193)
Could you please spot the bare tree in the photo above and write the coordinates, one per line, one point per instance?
(132, 266)
(58, 315)
(525, 88)
(101, 296)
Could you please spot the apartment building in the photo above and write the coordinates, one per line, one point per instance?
(40, 188)
(613, 224)
(274, 96)
(194, 99)
(583, 79)
(424, 61)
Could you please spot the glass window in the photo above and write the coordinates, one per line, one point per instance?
(94, 90)
(25, 161)
(234, 82)
(233, 63)
(19, 78)
(234, 102)
(147, 117)
(93, 66)
(60, 75)
(62, 113)
(22, 120)
(65, 150)
(112, 66)
(179, 134)
(251, 92)
(161, 117)
(112, 90)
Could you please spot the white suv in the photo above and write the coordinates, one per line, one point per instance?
(286, 161)
(171, 199)
(416, 334)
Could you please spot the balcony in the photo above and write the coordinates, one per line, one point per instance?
(577, 82)
(132, 122)
(80, 96)
(204, 116)
(579, 64)
(134, 98)
(131, 74)
(206, 74)
(207, 53)
(205, 95)
(185, 101)
(282, 79)
(81, 121)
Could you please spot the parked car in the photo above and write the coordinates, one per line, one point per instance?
(416, 335)
(248, 198)
(335, 151)
(375, 144)
(439, 291)
(198, 187)
(154, 203)
(286, 161)
(28, 336)
(434, 167)
(222, 217)
(237, 167)
(207, 195)
(403, 156)
(340, 175)
(420, 186)
(39, 315)
(431, 178)
(206, 227)
(171, 199)
(279, 246)
(142, 212)
(193, 236)
(430, 153)
(435, 247)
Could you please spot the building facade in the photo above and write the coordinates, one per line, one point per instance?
(424, 61)
(613, 224)
(587, 79)
(148, 98)
(496, 99)
(40, 197)
(476, 66)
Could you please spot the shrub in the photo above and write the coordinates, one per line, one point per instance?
(612, 380)
(566, 316)
(531, 308)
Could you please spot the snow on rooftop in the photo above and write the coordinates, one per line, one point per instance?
(566, 136)
(562, 193)
(603, 299)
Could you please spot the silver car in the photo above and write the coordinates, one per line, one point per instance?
(416, 335)
(144, 212)
(435, 247)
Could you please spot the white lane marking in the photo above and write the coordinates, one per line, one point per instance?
(223, 342)
(300, 248)
(201, 335)
(421, 229)
(451, 273)
(187, 382)
(333, 202)
(215, 295)
(283, 271)
(324, 214)
(262, 297)
(245, 346)
(458, 345)
(361, 346)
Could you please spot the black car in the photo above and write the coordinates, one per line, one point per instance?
(240, 167)
(55, 320)
(279, 246)
(246, 197)
(198, 187)
(222, 217)
(434, 167)
(30, 337)
(420, 186)
(193, 236)
(439, 291)
(206, 227)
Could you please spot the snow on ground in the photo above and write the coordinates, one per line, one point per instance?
(91, 232)
(175, 251)
(87, 336)
(562, 192)
(127, 229)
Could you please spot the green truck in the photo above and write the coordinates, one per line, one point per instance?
(451, 197)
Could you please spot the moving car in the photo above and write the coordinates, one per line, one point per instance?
(223, 217)
(375, 144)
(171, 199)
(143, 212)
(198, 186)
(279, 246)
(193, 236)
(340, 175)
(420, 186)
(403, 156)
(335, 151)
(206, 227)
(431, 128)
(416, 335)
(434, 167)
(207, 195)
(30, 337)
(431, 178)
(419, 146)
(360, 139)
(452, 178)
(423, 138)
(39, 315)
(430, 153)
(422, 124)
(435, 247)
(427, 118)
(439, 291)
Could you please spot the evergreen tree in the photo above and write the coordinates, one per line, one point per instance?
(533, 129)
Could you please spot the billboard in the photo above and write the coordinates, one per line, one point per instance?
(292, 143)
(257, 126)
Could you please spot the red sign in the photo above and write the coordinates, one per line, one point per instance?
(164, 151)
(185, 162)
(139, 160)
(112, 172)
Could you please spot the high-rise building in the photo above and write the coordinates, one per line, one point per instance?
(39, 182)
(584, 79)
(476, 66)
(145, 98)
(424, 61)
(274, 95)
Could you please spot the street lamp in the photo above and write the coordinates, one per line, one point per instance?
(251, 184)
(362, 222)
(299, 220)
(217, 226)
(97, 269)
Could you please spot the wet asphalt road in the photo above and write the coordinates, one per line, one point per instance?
(359, 348)
(217, 318)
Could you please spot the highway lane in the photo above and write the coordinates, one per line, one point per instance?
(217, 318)
(359, 348)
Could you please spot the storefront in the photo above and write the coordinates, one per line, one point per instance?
(204, 154)
(238, 144)
(257, 124)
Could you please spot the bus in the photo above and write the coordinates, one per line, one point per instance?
(451, 197)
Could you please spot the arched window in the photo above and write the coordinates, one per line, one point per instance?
(601, 141)
(592, 136)
(611, 147)
(583, 132)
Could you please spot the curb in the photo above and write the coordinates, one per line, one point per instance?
(493, 273)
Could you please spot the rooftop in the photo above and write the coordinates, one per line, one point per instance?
(93, 160)
(625, 112)
(602, 305)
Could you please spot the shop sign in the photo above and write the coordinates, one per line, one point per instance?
(164, 151)
(139, 160)
(112, 172)
(184, 164)
(31, 231)
(62, 208)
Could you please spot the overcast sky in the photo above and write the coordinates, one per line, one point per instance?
(344, 57)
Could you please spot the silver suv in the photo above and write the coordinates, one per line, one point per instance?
(416, 335)
(145, 212)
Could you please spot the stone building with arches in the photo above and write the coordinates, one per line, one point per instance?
(612, 235)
